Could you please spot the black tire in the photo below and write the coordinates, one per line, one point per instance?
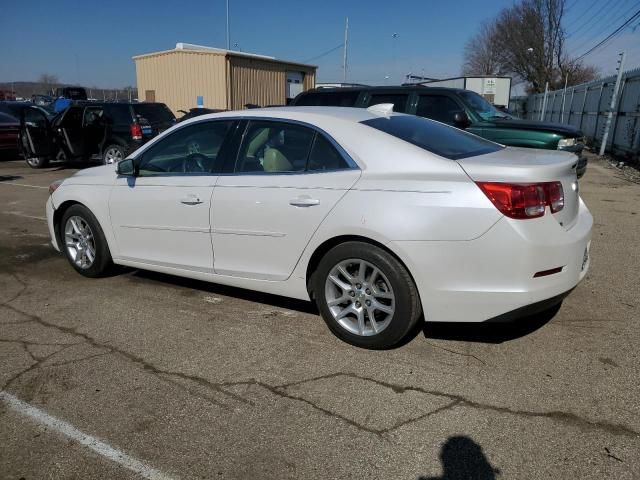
(102, 263)
(113, 154)
(407, 301)
(37, 162)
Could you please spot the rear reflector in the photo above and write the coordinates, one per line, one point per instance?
(544, 273)
(524, 200)
(136, 131)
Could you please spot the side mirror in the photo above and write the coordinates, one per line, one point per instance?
(461, 120)
(126, 168)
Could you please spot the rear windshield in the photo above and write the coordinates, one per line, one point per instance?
(154, 112)
(443, 140)
(328, 99)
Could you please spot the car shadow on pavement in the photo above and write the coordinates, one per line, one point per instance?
(10, 178)
(217, 289)
(463, 459)
(490, 332)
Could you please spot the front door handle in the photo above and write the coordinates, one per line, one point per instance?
(304, 201)
(191, 200)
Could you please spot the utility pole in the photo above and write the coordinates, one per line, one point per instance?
(544, 101)
(564, 94)
(228, 25)
(344, 59)
(612, 107)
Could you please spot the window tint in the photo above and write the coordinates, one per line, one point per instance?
(192, 149)
(437, 107)
(324, 156)
(448, 142)
(72, 118)
(328, 99)
(399, 100)
(118, 114)
(274, 147)
(154, 112)
(93, 116)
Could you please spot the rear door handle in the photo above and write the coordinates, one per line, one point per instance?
(304, 201)
(190, 200)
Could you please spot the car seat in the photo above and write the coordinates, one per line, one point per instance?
(275, 161)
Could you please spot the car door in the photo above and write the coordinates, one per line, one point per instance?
(161, 216)
(36, 135)
(287, 178)
(94, 128)
(69, 128)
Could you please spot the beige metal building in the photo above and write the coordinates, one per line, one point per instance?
(224, 79)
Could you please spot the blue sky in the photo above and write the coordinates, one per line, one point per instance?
(92, 42)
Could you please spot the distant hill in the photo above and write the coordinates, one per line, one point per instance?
(26, 89)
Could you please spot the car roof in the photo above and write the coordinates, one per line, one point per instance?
(398, 88)
(314, 115)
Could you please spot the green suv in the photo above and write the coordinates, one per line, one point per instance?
(460, 108)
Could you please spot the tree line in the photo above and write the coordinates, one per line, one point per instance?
(528, 42)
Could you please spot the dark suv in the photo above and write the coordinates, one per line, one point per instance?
(460, 108)
(108, 131)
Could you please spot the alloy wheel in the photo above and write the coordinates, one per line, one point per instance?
(359, 297)
(80, 242)
(112, 155)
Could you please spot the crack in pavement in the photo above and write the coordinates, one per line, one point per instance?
(280, 390)
(468, 355)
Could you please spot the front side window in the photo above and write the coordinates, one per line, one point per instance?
(437, 107)
(399, 100)
(448, 142)
(93, 116)
(273, 147)
(482, 107)
(194, 149)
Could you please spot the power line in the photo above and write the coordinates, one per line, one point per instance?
(324, 54)
(611, 35)
(584, 12)
(605, 27)
(595, 16)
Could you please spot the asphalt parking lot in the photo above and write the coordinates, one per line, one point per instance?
(142, 375)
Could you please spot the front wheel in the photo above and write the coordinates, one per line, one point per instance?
(84, 243)
(37, 162)
(366, 296)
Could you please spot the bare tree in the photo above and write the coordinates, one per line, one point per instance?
(49, 81)
(480, 54)
(527, 40)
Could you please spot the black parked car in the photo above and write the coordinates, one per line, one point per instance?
(457, 107)
(105, 131)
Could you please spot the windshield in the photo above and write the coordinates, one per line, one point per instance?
(482, 107)
(435, 137)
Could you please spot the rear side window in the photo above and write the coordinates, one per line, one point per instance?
(448, 142)
(328, 99)
(154, 112)
(118, 114)
(324, 156)
(399, 100)
(437, 107)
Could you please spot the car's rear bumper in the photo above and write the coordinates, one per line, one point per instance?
(493, 275)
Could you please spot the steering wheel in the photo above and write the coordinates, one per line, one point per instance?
(195, 163)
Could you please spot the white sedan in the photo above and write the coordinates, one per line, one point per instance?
(382, 219)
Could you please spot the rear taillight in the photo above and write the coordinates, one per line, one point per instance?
(524, 200)
(136, 131)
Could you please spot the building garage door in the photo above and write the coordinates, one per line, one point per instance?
(294, 84)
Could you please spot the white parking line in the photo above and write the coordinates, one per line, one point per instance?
(88, 441)
(20, 214)
(22, 185)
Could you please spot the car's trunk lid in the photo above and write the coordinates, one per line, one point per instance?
(526, 165)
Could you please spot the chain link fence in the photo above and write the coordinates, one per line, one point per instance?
(586, 106)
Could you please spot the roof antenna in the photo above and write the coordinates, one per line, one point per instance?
(385, 109)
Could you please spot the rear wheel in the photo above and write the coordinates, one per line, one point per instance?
(84, 243)
(37, 162)
(113, 154)
(366, 296)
